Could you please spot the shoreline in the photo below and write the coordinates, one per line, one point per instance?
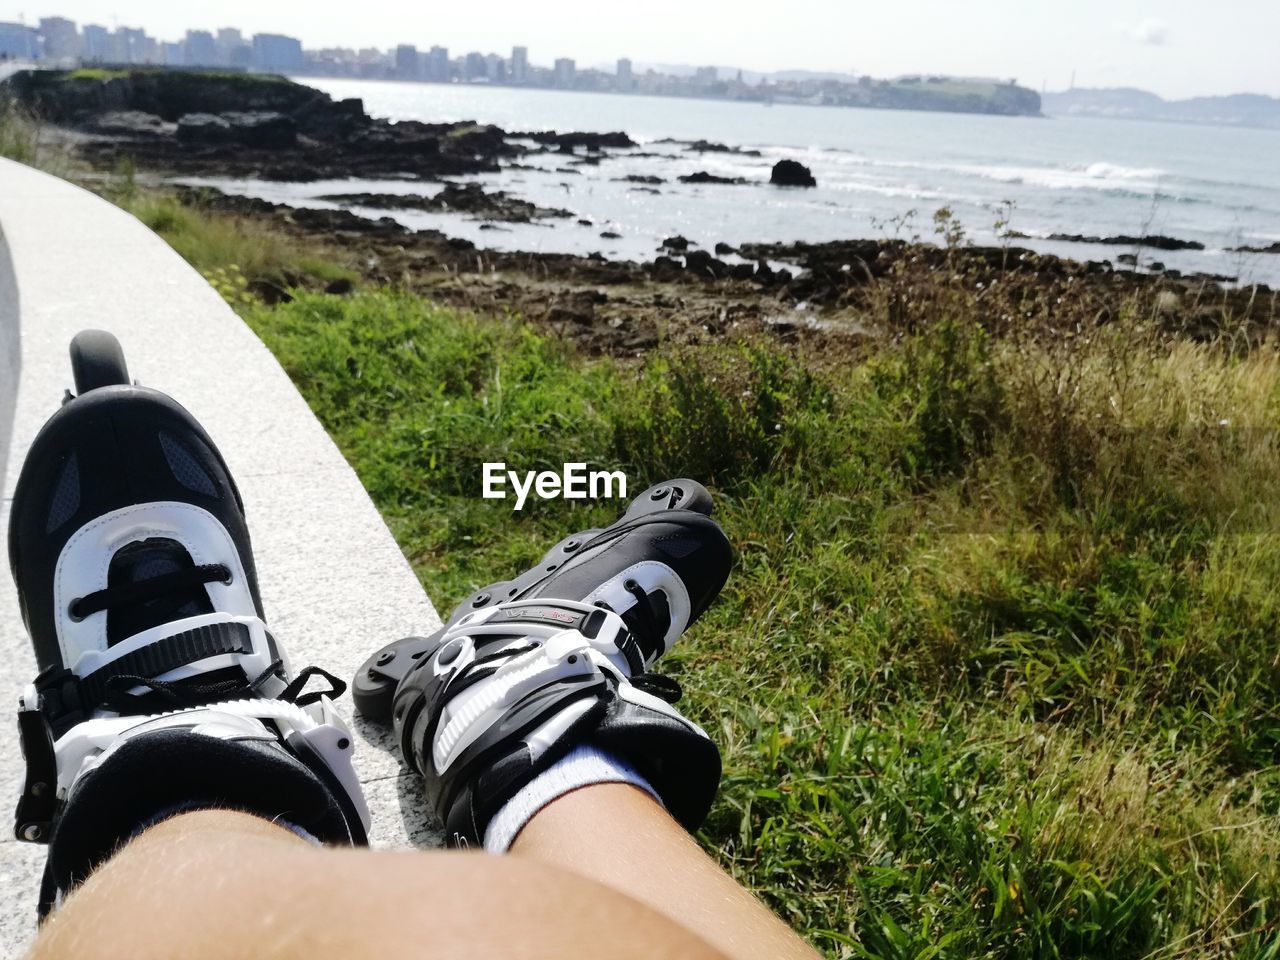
(304, 77)
(829, 292)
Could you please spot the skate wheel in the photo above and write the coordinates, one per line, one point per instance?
(97, 361)
(374, 686)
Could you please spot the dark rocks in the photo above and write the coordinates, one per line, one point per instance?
(675, 243)
(262, 130)
(704, 264)
(1154, 241)
(1273, 248)
(210, 198)
(480, 139)
(344, 221)
(638, 178)
(703, 177)
(131, 124)
(723, 248)
(707, 146)
(469, 198)
(75, 98)
(569, 142)
(268, 292)
(338, 287)
(665, 269)
(610, 235)
(247, 125)
(792, 173)
(203, 128)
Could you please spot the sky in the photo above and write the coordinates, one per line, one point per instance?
(1176, 48)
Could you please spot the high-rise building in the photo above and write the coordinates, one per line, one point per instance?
(474, 67)
(706, 75)
(371, 62)
(565, 71)
(146, 49)
(174, 54)
(519, 73)
(132, 45)
(408, 63)
(277, 53)
(19, 40)
(60, 37)
(438, 65)
(95, 43)
(229, 43)
(495, 68)
(199, 49)
(626, 79)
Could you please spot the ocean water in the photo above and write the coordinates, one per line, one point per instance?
(1216, 185)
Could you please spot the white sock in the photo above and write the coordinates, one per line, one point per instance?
(580, 767)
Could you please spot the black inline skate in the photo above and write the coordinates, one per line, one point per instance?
(527, 669)
(159, 687)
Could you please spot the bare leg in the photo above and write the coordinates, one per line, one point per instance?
(216, 884)
(617, 835)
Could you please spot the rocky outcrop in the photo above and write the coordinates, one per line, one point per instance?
(708, 146)
(1153, 241)
(703, 177)
(246, 125)
(264, 130)
(1273, 248)
(468, 198)
(792, 173)
(73, 98)
(131, 123)
(569, 142)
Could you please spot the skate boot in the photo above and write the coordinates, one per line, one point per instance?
(159, 686)
(526, 670)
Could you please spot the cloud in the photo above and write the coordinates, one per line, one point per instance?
(1151, 32)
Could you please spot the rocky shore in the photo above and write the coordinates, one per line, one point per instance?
(237, 126)
(816, 294)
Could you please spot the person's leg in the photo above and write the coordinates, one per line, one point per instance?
(619, 836)
(218, 884)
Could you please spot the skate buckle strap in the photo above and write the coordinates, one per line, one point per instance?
(168, 653)
(38, 802)
(71, 695)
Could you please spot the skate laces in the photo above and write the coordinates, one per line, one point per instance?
(120, 695)
(229, 683)
(145, 591)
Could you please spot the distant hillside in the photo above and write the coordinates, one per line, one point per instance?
(1237, 110)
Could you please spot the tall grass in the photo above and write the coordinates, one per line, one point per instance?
(995, 674)
(215, 245)
(19, 132)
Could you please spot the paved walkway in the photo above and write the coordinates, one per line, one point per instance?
(334, 584)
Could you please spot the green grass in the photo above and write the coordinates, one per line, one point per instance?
(99, 73)
(93, 73)
(20, 138)
(230, 255)
(995, 673)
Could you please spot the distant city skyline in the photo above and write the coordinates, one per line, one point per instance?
(1176, 48)
(61, 42)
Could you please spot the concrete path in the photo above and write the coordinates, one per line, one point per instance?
(334, 583)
